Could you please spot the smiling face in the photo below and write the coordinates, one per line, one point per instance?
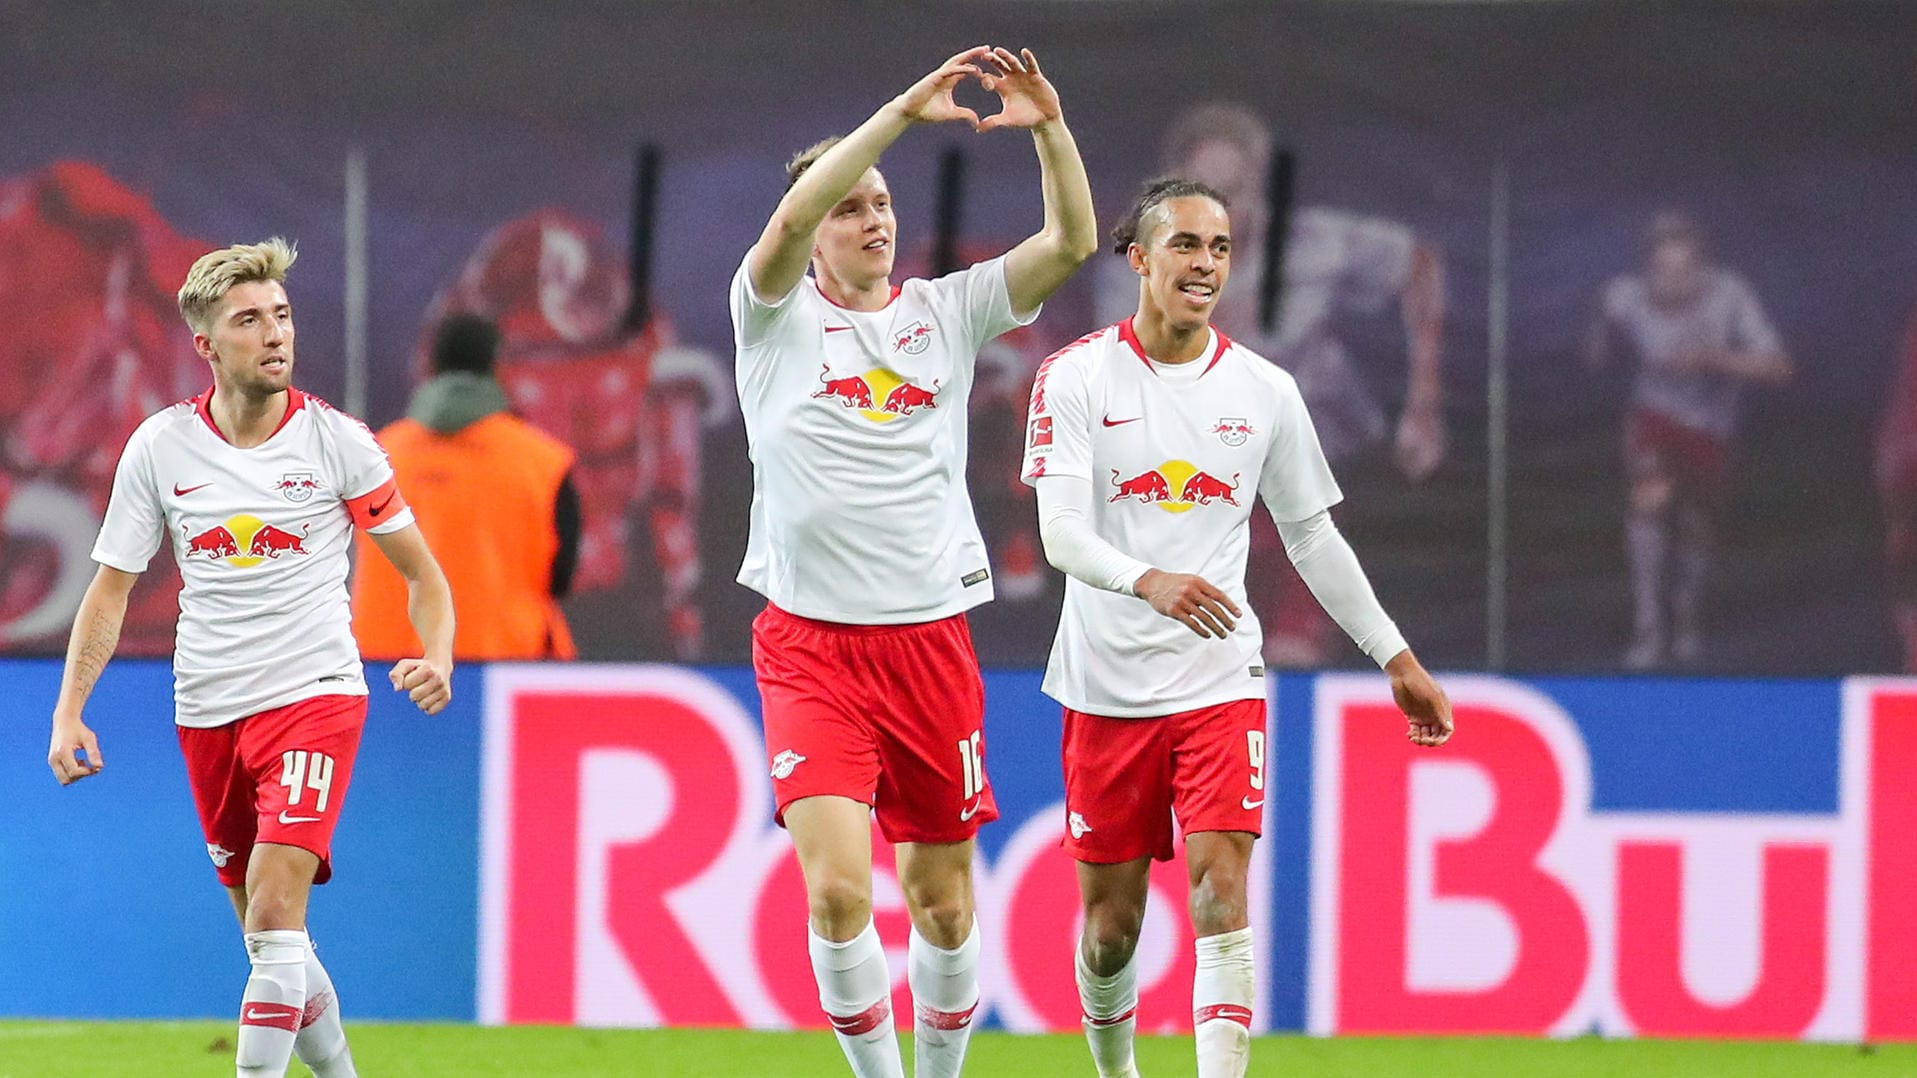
(249, 340)
(854, 244)
(1183, 253)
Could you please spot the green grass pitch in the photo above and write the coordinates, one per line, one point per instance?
(187, 1049)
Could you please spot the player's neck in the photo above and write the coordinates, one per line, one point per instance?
(1168, 343)
(245, 420)
(872, 295)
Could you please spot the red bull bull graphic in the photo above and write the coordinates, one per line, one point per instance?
(1194, 485)
(215, 542)
(913, 339)
(900, 397)
(243, 541)
(1233, 431)
(297, 486)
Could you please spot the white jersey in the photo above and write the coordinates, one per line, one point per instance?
(857, 427)
(1724, 315)
(1174, 455)
(1336, 263)
(261, 538)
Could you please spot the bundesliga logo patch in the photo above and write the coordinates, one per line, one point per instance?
(783, 764)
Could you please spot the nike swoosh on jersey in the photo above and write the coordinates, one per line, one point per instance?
(284, 818)
(181, 492)
(1110, 422)
(837, 329)
(381, 507)
(967, 813)
(1248, 804)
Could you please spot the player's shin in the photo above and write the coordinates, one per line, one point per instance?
(321, 1043)
(944, 997)
(274, 1003)
(855, 988)
(1221, 998)
(1110, 1005)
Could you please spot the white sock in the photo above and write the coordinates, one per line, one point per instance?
(855, 988)
(321, 1043)
(944, 997)
(1111, 1016)
(1221, 997)
(274, 1003)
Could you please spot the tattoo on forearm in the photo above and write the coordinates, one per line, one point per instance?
(93, 644)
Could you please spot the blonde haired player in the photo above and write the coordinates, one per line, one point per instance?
(1147, 444)
(258, 486)
(864, 545)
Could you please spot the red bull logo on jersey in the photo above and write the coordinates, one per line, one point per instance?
(297, 486)
(1175, 486)
(913, 339)
(1233, 431)
(879, 394)
(244, 541)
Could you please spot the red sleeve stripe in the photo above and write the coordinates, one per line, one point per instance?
(376, 506)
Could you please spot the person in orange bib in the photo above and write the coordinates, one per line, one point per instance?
(491, 491)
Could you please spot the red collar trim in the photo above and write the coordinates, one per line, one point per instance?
(203, 404)
(889, 300)
(1130, 336)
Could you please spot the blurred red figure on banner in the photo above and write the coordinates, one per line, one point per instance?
(89, 351)
(631, 404)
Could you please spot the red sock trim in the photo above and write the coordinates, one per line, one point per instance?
(1112, 1021)
(947, 1020)
(867, 1020)
(272, 1015)
(1227, 1012)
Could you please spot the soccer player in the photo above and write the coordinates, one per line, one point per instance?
(1340, 270)
(1147, 442)
(258, 486)
(1699, 335)
(864, 544)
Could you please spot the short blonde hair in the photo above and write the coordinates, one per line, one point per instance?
(808, 157)
(216, 272)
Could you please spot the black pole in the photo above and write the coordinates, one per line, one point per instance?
(1278, 186)
(645, 191)
(946, 222)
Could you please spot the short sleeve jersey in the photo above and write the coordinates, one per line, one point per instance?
(857, 427)
(261, 538)
(1726, 314)
(1174, 456)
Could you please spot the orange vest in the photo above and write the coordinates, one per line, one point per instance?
(484, 496)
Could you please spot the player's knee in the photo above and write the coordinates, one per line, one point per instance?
(271, 909)
(841, 905)
(1111, 936)
(1650, 494)
(943, 920)
(1218, 902)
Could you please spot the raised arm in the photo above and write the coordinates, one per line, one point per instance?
(1044, 261)
(429, 606)
(96, 632)
(779, 258)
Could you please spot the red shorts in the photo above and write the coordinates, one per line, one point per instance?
(278, 776)
(1697, 461)
(1125, 778)
(891, 715)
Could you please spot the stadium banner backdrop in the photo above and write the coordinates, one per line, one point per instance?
(500, 178)
(592, 845)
